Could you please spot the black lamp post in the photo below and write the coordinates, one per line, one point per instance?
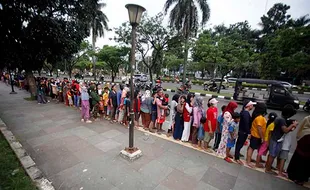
(135, 13)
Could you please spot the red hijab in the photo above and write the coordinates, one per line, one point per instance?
(232, 105)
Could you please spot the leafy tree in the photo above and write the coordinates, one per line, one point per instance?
(33, 32)
(98, 24)
(184, 18)
(114, 57)
(152, 38)
(83, 53)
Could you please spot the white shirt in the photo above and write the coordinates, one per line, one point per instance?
(287, 142)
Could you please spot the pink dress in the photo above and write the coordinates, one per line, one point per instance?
(221, 151)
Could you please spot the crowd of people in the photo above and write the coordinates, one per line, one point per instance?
(190, 122)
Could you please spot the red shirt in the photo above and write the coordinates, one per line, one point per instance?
(186, 114)
(136, 106)
(212, 117)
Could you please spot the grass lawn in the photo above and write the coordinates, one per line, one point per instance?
(12, 174)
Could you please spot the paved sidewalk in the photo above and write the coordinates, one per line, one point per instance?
(75, 155)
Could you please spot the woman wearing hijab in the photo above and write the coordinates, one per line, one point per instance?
(258, 130)
(197, 114)
(227, 115)
(179, 122)
(146, 108)
(173, 106)
(299, 167)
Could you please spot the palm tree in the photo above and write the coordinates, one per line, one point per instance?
(184, 18)
(98, 25)
(302, 21)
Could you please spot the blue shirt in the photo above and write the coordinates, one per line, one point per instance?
(220, 120)
(118, 97)
(233, 128)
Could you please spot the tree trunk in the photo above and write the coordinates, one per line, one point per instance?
(94, 49)
(70, 72)
(32, 83)
(151, 77)
(113, 76)
(185, 59)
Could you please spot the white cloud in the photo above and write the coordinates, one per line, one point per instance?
(222, 11)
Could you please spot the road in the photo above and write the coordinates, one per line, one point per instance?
(301, 97)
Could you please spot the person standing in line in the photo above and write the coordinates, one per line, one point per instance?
(218, 131)
(153, 113)
(299, 167)
(113, 103)
(258, 130)
(281, 127)
(187, 110)
(173, 106)
(146, 109)
(84, 104)
(161, 117)
(210, 125)
(233, 128)
(197, 114)
(119, 97)
(122, 108)
(244, 128)
(137, 108)
(262, 151)
(227, 115)
(179, 122)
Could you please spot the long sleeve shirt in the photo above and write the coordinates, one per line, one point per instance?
(245, 122)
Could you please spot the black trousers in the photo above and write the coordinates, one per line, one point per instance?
(240, 142)
(217, 140)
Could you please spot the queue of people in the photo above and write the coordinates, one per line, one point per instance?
(190, 122)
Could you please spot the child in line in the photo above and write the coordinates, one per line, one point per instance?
(218, 131)
(69, 96)
(233, 135)
(270, 127)
(106, 100)
(101, 108)
(127, 110)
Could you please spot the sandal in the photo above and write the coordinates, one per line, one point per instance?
(271, 172)
(227, 159)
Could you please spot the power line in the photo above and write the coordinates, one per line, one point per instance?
(266, 6)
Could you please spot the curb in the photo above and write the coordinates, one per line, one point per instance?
(26, 161)
(202, 94)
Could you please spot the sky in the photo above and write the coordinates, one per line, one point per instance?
(222, 12)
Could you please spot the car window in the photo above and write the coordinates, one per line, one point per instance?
(279, 91)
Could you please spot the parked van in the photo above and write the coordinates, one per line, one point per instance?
(275, 95)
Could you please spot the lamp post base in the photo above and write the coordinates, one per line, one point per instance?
(13, 92)
(131, 154)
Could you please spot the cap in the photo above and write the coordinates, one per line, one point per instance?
(250, 103)
(213, 101)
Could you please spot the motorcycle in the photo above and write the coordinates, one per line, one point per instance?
(306, 107)
(211, 88)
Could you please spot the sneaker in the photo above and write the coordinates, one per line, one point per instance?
(88, 121)
(82, 120)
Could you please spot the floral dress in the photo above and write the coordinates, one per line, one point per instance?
(221, 151)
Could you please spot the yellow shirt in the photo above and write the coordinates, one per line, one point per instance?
(105, 98)
(258, 121)
(268, 132)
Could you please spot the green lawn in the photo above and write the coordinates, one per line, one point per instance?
(12, 174)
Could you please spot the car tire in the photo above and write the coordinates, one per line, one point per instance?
(223, 87)
(289, 106)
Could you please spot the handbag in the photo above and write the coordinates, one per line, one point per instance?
(201, 133)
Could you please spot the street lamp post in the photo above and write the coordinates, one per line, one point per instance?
(135, 13)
